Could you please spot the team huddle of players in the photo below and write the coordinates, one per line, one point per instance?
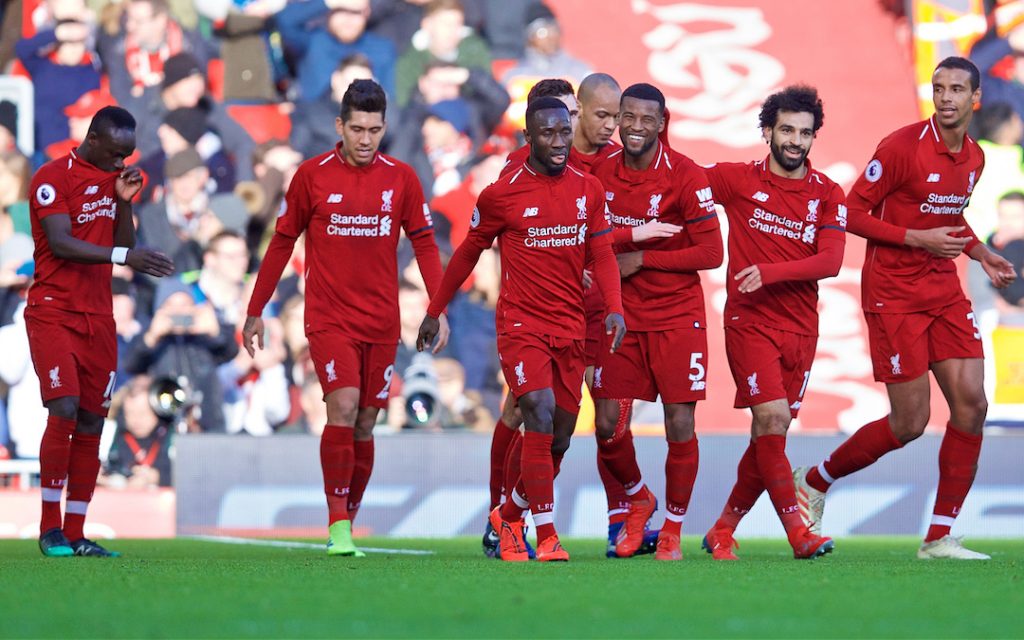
(594, 237)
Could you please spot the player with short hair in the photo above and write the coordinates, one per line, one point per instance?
(909, 205)
(549, 219)
(786, 232)
(646, 181)
(351, 203)
(81, 212)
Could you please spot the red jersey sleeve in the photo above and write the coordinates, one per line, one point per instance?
(720, 183)
(487, 222)
(419, 228)
(885, 173)
(599, 248)
(49, 192)
(701, 225)
(298, 208)
(830, 244)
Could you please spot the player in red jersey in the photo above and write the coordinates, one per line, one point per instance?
(81, 212)
(549, 219)
(786, 232)
(647, 181)
(909, 204)
(350, 203)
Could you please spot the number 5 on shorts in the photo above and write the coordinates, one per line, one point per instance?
(697, 382)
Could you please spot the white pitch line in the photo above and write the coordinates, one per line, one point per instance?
(287, 544)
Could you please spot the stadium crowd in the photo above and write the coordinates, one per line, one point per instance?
(230, 97)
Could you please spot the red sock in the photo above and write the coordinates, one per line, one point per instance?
(556, 463)
(511, 510)
(620, 456)
(862, 449)
(54, 456)
(777, 475)
(363, 450)
(337, 460)
(500, 441)
(618, 500)
(680, 474)
(538, 476)
(83, 469)
(958, 462)
(745, 492)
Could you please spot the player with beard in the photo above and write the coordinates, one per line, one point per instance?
(786, 232)
(909, 205)
(647, 181)
(549, 220)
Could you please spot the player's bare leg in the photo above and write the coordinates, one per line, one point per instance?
(771, 422)
(54, 458)
(962, 384)
(337, 461)
(680, 474)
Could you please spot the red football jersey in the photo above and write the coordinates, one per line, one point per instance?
(772, 220)
(85, 193)
(352, 216)
(582, 161)
(914, 181)
(547, 228)
(673, 189)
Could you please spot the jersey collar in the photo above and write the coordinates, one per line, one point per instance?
(788, 184)
(931, 131)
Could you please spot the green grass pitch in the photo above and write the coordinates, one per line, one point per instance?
(870, 587)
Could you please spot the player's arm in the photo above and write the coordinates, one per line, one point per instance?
(127, 186)
(999, 270)
(650, 230)
(485, 225)
(419, 228)
(705, 233)
(66, 246)
(296, 217)
(605, 269)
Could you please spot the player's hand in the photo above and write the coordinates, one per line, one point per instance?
(150, 262)
(443, 333)
(128, 184)
(750, 279)
(588, 278)
(655, 229)
(429, 329)
(253, 328)
(999, 269)
(615, 326)
(939, 241)
(630, 263)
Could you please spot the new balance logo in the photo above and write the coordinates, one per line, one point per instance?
(531, 212)
(93, 190)
(760, 196)
(520, 374)
(334, 198)
(707, 201)
(698, 385)
(609, 196)
(331, 375)
(895, 362)
(752, 383)
(933, 177)
(55, 377)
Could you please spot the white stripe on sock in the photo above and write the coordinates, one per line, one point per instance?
(548, 517)
(52, 495)
(674, 517)
(632, 491)
(77, 506)
(824, 474)
(520, 501)
(942, 521)
(615, 512)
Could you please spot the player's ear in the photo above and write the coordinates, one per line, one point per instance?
(339, 125)
(526, 135)
(766, 134)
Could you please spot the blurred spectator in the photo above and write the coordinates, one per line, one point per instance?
(184, 87)
(126, 323)
(62, 68)
(221, 281)
(181, 129)
(8, 126)
(135, 54)
(314, 409)
(16, 245)
(185, 340)
(998, 129)
(140, 453)
(1008, 241)
(25, 411)
(503, 25)
(275, 166)
(461, 410)
(472, 311)
(79, 116)
(443, 36)
(314, 129)
(544, 56)
(322, 33)
(447, 146)
(456, 206)
(242, 27)
(399, 20)
(256, 390)
(10, 31)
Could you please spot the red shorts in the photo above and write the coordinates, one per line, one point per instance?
(531, 362)
(903, 345)
(74, 354)
(341, 362)
(769, 364)
(671, 363)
